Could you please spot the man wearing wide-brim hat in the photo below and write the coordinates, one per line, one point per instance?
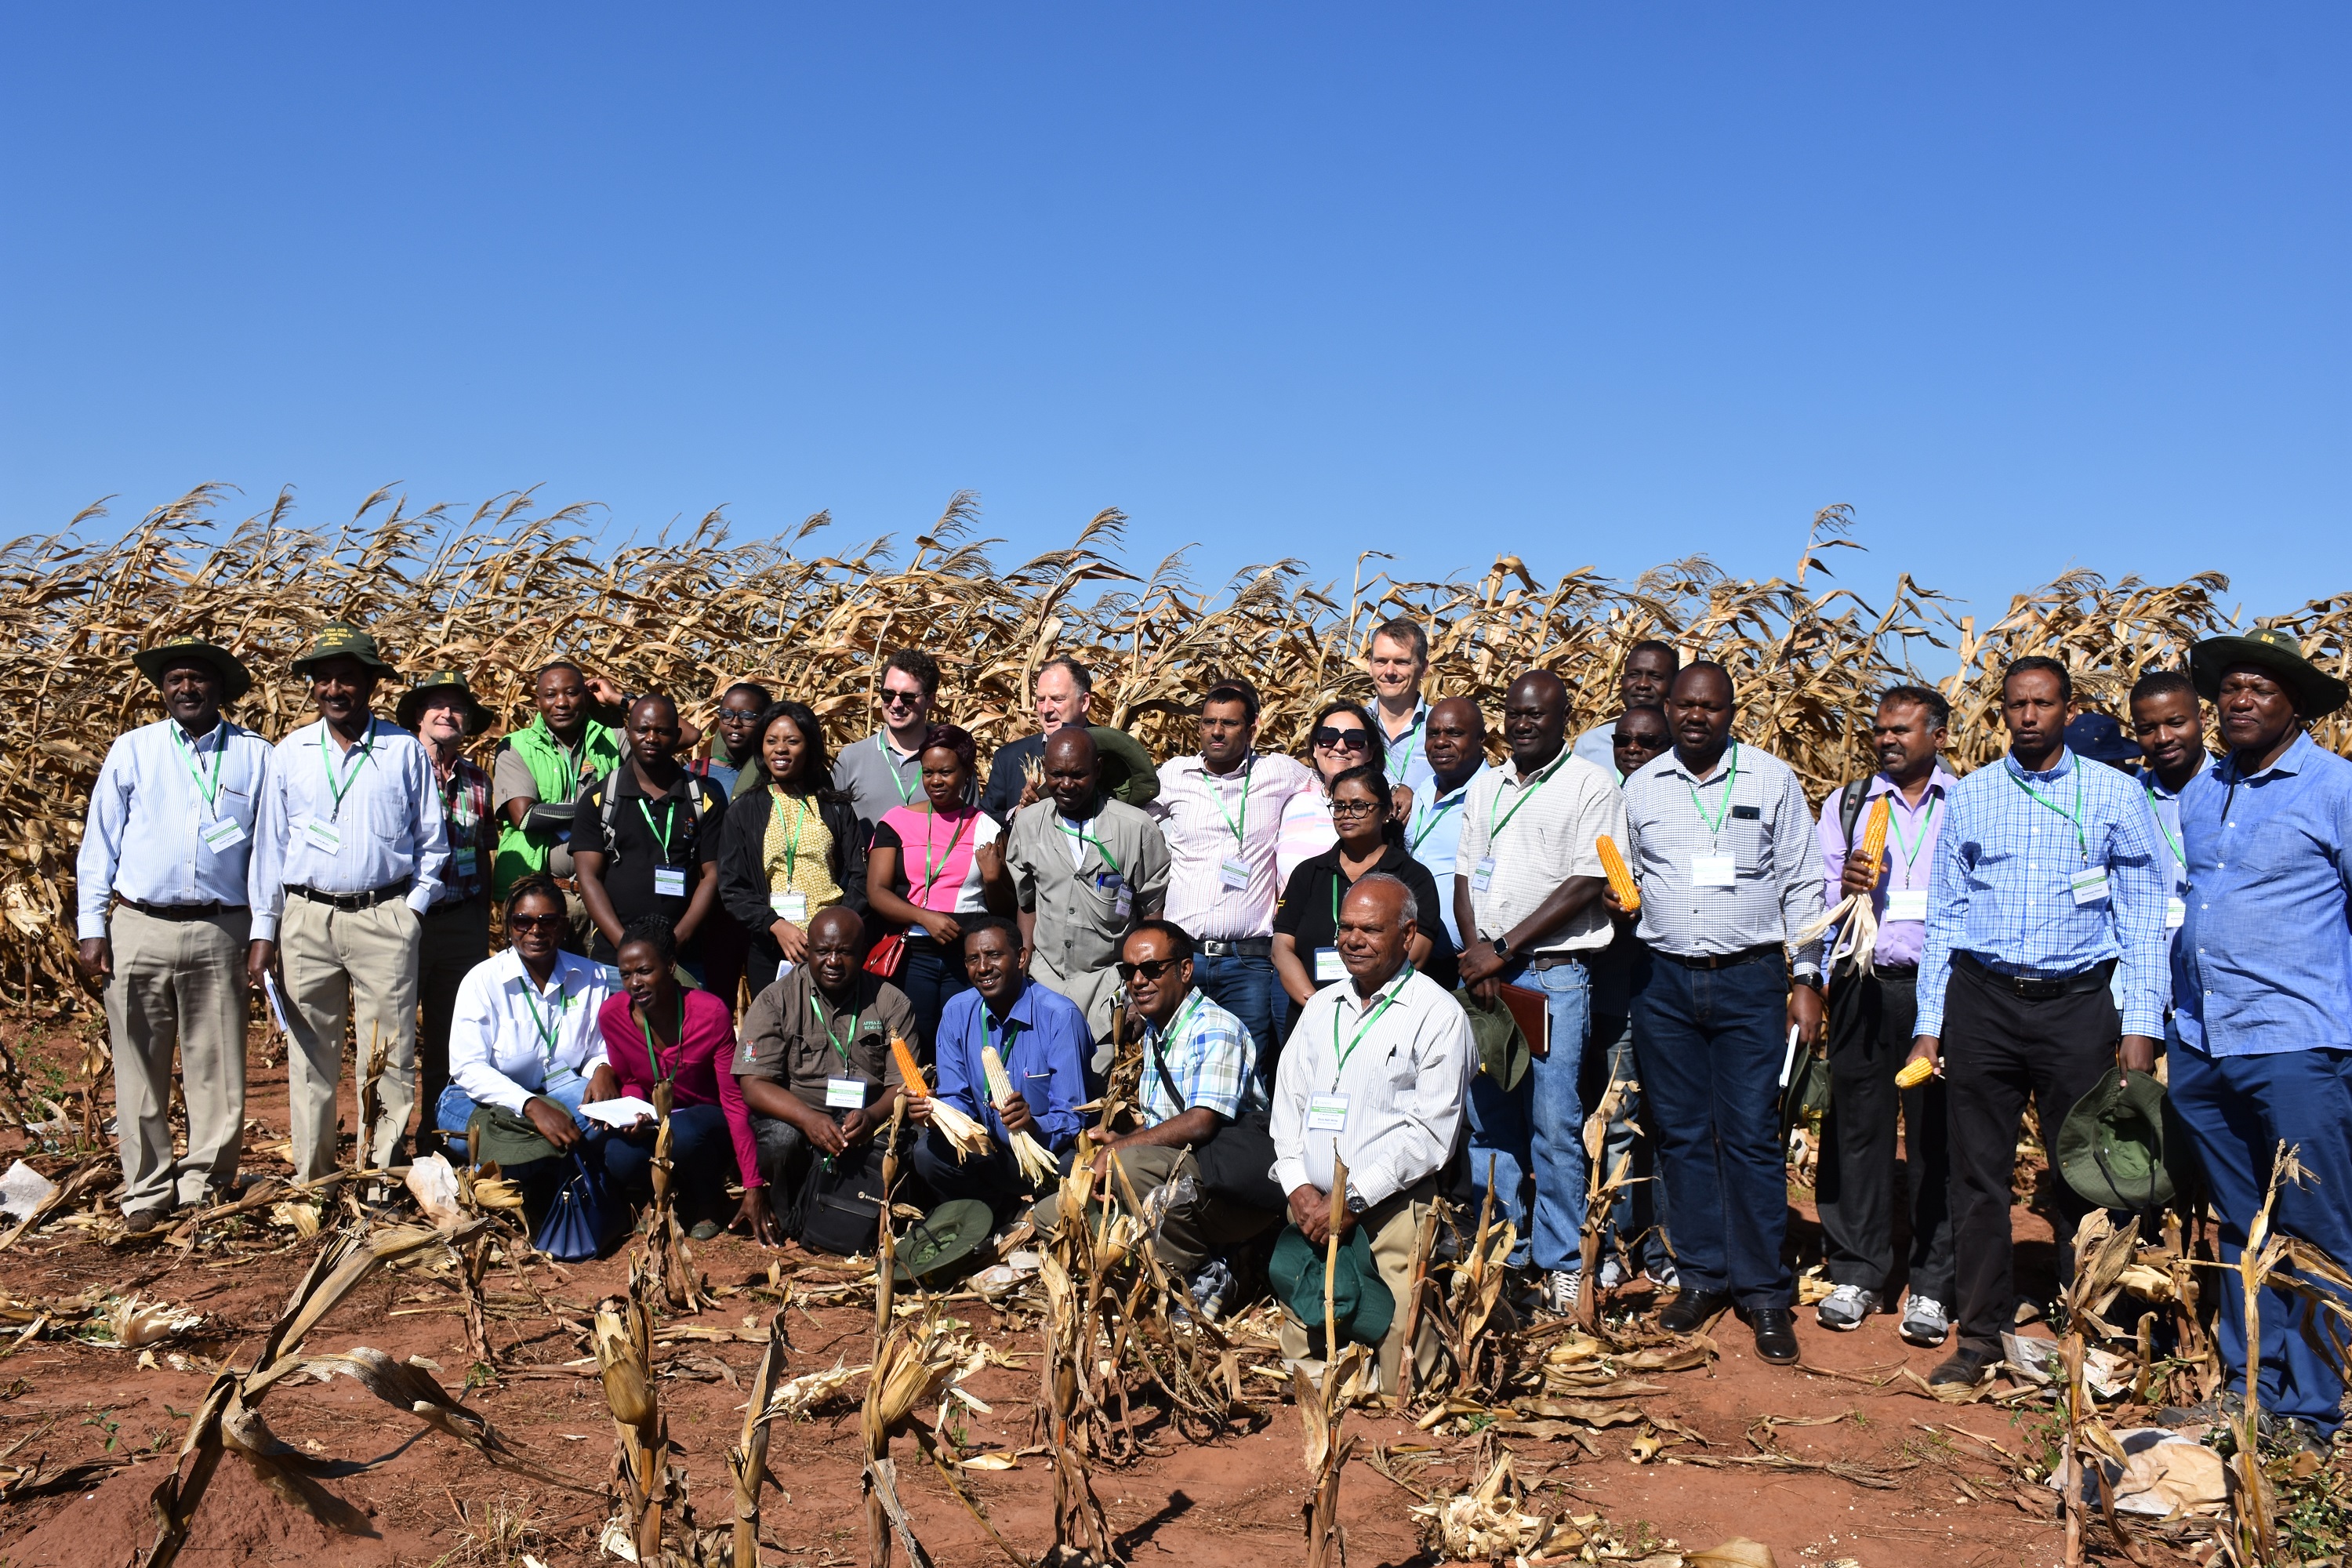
(444, 713)
(2263, 996)
(161, 891)
(350, 852)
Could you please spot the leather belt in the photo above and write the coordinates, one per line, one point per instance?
(351, 903)
(2037, 988)
(178, 911)
(1555, 959)
(1722, 959)
(1238, 947)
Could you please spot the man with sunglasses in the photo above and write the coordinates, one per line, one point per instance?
(883, 771)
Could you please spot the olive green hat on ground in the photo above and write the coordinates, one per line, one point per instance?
(2316, 692)
(340, 640)
(151, 662)
(2111, 1146)
(942, 1243)
(412, 702)
(1362, 1305)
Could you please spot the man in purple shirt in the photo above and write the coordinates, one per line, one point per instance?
(1872, 1017)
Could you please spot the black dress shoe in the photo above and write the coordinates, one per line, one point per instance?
(1692, 1310)
(1965, 1367)
(1776, 1334)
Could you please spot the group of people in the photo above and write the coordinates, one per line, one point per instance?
(1385, 973)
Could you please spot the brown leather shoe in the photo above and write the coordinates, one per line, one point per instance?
(143, 1221)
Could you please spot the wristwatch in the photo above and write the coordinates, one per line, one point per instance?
(1356, 1205)
(1502, 950)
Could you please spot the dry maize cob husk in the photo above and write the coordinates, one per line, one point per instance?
(909, 1068)
(1036, 1162)
(1621, 875)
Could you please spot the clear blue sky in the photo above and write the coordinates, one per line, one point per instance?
(2030, 286)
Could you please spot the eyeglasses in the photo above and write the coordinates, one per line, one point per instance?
(1151, 968)
(1354, 807)
(1341, 739)
(538, 923)
(901, 699)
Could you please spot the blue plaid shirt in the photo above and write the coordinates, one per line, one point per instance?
(1212, 1057)
(2004, 869)
(2264, 962)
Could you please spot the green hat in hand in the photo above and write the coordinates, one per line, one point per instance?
(1361, 1305)
(2110, 1148)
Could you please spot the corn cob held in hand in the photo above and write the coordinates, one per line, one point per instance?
(964, 1135)
(1036, 1163)
(1621, 875)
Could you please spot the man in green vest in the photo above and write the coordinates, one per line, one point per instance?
(536, 780)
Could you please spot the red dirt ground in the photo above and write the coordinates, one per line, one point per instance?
(1236, 1502)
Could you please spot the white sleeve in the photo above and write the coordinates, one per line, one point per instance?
(472, 1028)
(101, 841)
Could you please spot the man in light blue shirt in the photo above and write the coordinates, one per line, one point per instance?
(2262, 980)
(1651, 667)
(1398, 661)
(2046, 880)
(349, 850)
(1454, 741)
(162, 913)
(2171, 729)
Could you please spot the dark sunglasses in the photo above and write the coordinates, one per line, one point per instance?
(902, 698)
(1151, 968)
(1341, 739)
(538, 923)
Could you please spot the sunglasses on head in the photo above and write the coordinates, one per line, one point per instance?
(1341, 739)
(1151, 968)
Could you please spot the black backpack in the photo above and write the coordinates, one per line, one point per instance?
(839, 1206)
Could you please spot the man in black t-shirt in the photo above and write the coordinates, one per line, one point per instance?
(645, 840)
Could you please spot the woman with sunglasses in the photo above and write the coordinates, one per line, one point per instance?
(789, 846)
(1339, 739)
(1307, 926)
(956, 850)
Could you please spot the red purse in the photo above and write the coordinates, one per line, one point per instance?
(890, 954)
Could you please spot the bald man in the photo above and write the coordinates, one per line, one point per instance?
(1086, 869)
(645, 840)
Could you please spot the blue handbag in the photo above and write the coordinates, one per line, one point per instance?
(579, 1219)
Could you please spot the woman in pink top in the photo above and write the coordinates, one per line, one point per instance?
(1339, 739)
(932, 859)
(655, 1028)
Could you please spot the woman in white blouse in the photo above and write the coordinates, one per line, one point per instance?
(524, 1037)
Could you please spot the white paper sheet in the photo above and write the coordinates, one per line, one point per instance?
(618, 1112)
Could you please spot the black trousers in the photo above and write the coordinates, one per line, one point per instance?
(1872, 1020)
(1999, 1049)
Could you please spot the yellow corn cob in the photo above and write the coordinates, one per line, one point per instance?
(1000, 1082)
(909, 1068)
(1621, 875)
(1915, 1073)
(1873, 838)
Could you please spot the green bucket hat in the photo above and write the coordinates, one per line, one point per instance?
(942, 1243)
(151, 662)
(340, 640)
(2111, 1145)
(1361, 1305)
(412, 702)
(1503, 1054)
(2316, 692)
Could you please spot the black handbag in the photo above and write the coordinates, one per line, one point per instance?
(1237, 1161)
(839, 1206)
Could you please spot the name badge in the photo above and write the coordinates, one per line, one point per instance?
(322, 836)
(1483, 875)
(2089, 885)
(844, 1094)
(2176, 913)
(1906, 904)
(561, 1077)
(1715, 870)
(461, 861)
(793, 907)
(1327, 1113)
(670, 882)
(1122, 897)
(1233, 873)
(221, 836)
(1328, 967)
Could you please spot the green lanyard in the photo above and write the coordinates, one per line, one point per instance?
(550, 1026)
(339, 787)
(1361, 1029)
(793, 845)
(2180, 857)
(194, 763)
(1919, 840)
(1730, 782)
(645, 1022)
(669, 822)
(574, 758)
(2082, 840)
(987, 1038)
(1174, 1030)
(1217, 799)
(898, 780)
(1542, 779)
(931, 867)
(839, 1050)
(1401, 763)
(1082, 838)
(1435, 813)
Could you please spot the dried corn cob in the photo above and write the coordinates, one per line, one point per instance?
(1036, 1163)
(1873, 837)
(1621, 875)
(1916, 1072)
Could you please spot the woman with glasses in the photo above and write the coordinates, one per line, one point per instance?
(1306, 928)
(1339, 739)
(789, 846)
(932, 859)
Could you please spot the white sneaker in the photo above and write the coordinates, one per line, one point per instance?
(1612, 1273)
(1561, 1286)
(1925, 1321)
(1666, 1276)
(1844, 1307)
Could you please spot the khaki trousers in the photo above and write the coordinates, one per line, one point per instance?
(456, 937)
(1096, 991)
(177, 984)
(359, 965)
(1394, 1225)
(1192, 1228)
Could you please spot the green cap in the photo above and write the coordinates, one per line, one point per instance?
(2110, 1148)
(2316, 692)
(943, 1242)
(151, 662)
(340, 640)
(412, 702)
(1362, 1305)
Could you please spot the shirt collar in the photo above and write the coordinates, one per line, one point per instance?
(1199, 765)
(1459, 790)
(1940, 781)
(1513, 780)
(2293, 760)
(1672, 761)
(512, 971)
(2057, 770)
(1364, 1004)
(1021, 1011)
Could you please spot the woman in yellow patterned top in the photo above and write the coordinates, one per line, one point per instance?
(789, 846)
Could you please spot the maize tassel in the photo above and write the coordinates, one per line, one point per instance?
(1621, 875)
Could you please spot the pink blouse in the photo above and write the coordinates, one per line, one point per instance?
(701, 1066)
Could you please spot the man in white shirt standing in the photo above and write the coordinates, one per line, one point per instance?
(1375, 1076)
(348, 854)
(163, 920)
(1526, 890)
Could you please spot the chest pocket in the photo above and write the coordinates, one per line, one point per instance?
(1745, 836)
(387, 814)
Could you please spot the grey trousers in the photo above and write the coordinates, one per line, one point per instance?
(177, 984)
(360, 966)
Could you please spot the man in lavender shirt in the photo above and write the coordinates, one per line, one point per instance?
(1871, 1019)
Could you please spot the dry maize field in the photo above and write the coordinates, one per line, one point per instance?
(496, 591)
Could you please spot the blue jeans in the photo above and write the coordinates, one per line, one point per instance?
(1245, 987)
(701, 1157)
(1497, 1120)
(537, 1178)
(1709, 1042)
(2236, 1110)
(931, 977)
(1556, 1115)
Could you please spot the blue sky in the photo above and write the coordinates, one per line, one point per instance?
(2030, 287)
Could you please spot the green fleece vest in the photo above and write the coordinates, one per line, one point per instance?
(524, 851)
